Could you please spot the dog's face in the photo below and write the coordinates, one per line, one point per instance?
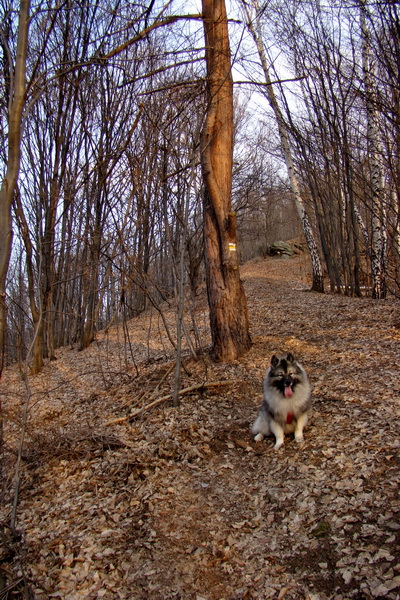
(284, 374)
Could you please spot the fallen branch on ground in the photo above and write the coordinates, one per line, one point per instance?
(182, 392)
(152, 392)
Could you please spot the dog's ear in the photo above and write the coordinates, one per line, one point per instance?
(290, 357)
(274, 360)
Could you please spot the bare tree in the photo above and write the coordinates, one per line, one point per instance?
(379, 234)
(254, 25)
(342, 119)
(227, 301)
(16, 106)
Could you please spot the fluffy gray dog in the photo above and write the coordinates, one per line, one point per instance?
(286, 403)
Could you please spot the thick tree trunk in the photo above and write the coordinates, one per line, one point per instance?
(227, 301)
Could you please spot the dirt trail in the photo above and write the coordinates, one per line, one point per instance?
(181, 503)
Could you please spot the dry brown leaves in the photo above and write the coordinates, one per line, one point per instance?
(181, 503)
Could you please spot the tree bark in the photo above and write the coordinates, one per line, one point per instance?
(226, 298)
(379, 233)
(9, 183)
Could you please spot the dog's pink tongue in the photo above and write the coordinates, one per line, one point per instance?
(288, 392)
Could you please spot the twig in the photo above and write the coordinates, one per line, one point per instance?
(192, 388)
(153, 392)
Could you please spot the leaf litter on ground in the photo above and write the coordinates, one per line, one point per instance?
(117, 502)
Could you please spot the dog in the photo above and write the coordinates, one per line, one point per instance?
(286, 403)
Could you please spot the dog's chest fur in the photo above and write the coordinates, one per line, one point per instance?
(285, 410)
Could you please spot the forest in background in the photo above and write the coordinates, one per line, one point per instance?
(108, 212)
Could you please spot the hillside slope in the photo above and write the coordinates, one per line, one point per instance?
(180, 502)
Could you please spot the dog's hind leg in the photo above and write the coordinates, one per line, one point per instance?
(301, 423)
(260, 428)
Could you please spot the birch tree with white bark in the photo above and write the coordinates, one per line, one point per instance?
(379, 233)
(253, 22)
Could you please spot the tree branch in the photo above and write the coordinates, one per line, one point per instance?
(192, 388)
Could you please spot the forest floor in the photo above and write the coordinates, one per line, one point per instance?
(181, 503)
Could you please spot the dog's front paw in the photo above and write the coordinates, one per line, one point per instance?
(299, 438)
(278, 444)
(259, 437)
